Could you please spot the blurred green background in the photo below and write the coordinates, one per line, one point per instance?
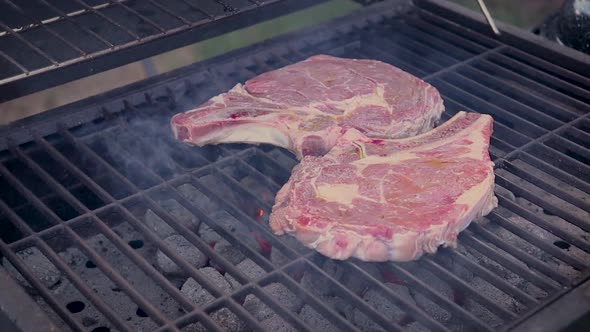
(524, 13)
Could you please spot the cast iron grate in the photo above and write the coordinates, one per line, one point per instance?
(41, 38)
(89, 210)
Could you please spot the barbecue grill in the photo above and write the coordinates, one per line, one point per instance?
(103, 214)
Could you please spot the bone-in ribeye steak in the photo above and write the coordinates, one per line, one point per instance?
(381, 200)
(305, 107)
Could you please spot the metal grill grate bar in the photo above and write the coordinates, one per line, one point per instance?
(564, 195)
(515, 267)
(439, 299)
(501, 129)
(187, 234)
(518, 94)
(312, 299)
(544, 79)
(533, 87)
(523, 111)
(549, 67)
(268, 207)
(519, 254)
(551, 249)
(456, 282)
(557, 172)
(446, 26)
(517, 190)
(117, 26)
(96, 11)
(442, 26)
(58, 262)
(67, 17)
(46, 28)
(543, 223)
(96, 258)
(190, 207)
(142, 263)
(143, 17)
(29, 44)
(169, 12)
(199, 9)
(500, 115)
(317, 303)
(492, 278)
(444, 45)
(30, 278)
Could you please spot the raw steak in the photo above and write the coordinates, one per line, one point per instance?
(305, 107)
(381, 200)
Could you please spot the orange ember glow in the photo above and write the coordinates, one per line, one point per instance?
(259, 215)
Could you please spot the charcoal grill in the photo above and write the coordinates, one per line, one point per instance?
(90, 191)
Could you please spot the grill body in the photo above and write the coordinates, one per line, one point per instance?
(80, 185)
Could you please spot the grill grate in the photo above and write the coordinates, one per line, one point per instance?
(38, 39)
(90, 189)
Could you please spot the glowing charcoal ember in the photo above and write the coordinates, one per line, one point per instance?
(265, 246)
(259, 215)
(389, 277)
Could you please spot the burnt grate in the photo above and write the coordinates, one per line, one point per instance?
(93, 213)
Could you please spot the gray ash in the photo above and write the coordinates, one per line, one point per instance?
(284, 296)
(277, 258)
(161, 228)
(317, 321)
(250, 269)
(229, 252)
(185, 250)
(375, 299)
(258, 308)
(276, 323)
(198, 294)
(197, 198)
(38, 264)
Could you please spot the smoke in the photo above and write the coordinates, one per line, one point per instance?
(143, 150)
